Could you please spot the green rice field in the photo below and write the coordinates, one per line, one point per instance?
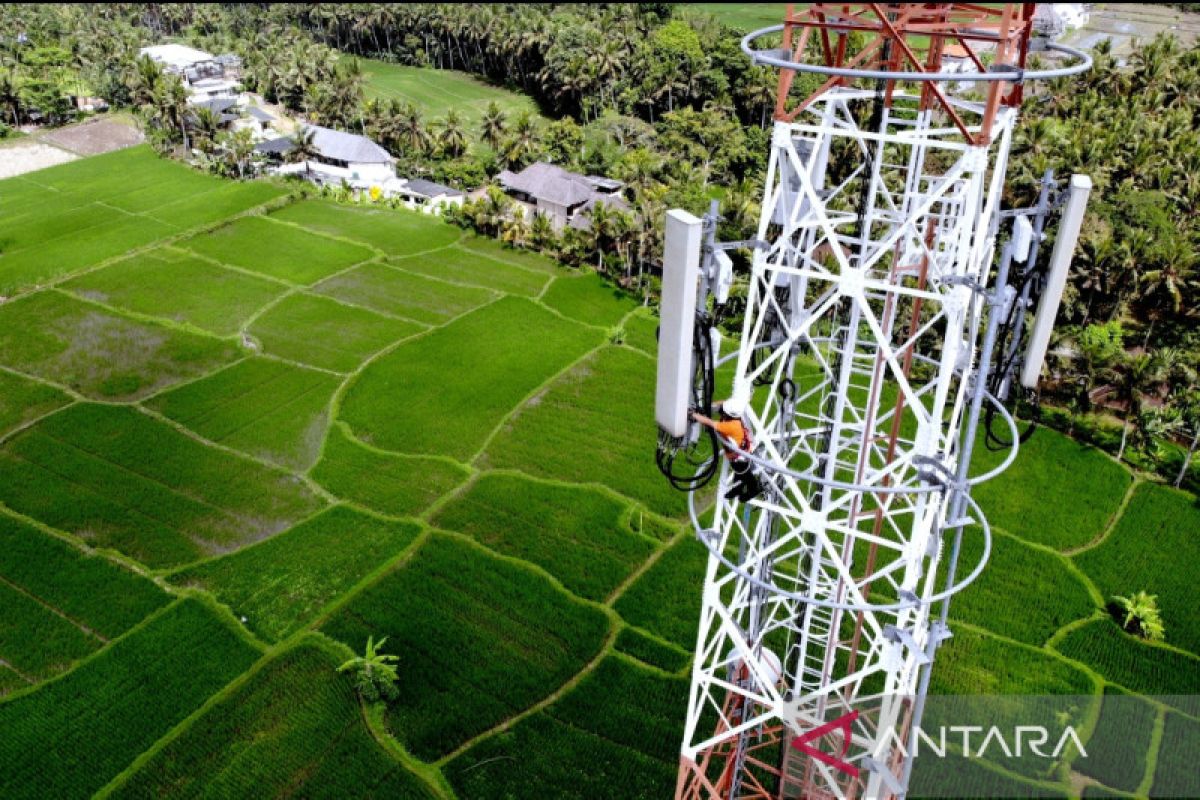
(242, 432)
(437, 91)
(744, 16)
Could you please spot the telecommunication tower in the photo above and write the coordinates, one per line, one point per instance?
(884, 314)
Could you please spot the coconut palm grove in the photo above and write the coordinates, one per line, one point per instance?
(328, 343)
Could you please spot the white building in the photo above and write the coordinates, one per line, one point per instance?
(428, 196)
(207, 77)
(345, 157)
(1055, 19)
(177, 58)
(260, 123)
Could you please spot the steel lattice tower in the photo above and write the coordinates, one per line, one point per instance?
(864, 356)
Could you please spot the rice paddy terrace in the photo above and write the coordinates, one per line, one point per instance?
(436, 92)
(240, 433)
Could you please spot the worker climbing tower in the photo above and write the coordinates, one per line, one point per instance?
(885, 309)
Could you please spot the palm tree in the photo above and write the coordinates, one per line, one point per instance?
(303, 149)
(452, 138)
(1167, 286)
(492, 210)
(10, 94)
(143, 80)
(205, 124)
(375, 673)
(541, 231)
(1155, 426)
(515, 231)
(239, 148)
(1141, 616)
(493, 124)
(524, 144)
(639, 168)
(1189, 413)
(1133, 380)
(170, 106)
(411, 129)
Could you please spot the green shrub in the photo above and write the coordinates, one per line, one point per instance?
(576, 534)
(374, 672)
(73, 735)
(1138, 614)
(482, 638)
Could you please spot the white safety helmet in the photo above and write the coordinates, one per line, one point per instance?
(734, 406)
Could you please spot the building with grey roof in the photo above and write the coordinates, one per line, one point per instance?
(565, 197)
(342, 156)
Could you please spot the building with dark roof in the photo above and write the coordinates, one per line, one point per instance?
(563, 196)
(274, 149)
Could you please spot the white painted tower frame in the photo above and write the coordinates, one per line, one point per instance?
(866, 311)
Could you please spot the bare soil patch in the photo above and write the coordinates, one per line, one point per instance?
(17, 159)
(95, 136)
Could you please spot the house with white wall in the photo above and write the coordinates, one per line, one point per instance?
(428, 196)
(1055, 19)
(206, 77)
(342, 156)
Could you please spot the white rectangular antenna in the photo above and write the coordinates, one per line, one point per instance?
(677, 321)
(723, 280)
(1022, 238)
(1056, 280)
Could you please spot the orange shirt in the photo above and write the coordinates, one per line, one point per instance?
(735, 431)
